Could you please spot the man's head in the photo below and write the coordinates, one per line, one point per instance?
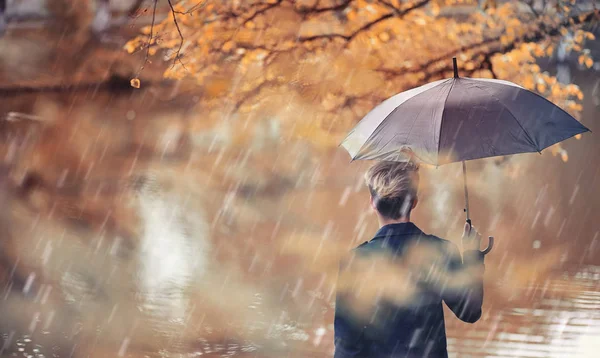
(393, 187)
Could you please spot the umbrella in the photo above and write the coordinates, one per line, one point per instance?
(459, 119)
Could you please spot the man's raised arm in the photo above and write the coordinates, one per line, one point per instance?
(462, 287)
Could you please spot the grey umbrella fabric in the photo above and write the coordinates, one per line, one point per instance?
(460, 119)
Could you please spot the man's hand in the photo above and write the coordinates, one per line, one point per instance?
(471, 239)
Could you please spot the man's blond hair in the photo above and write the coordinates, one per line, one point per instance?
(393, 186)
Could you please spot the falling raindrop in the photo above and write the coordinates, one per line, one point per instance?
(29, 283)
(123, 348)
(572, 199)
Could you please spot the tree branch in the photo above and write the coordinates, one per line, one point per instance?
(317, 10)
(491, 46)
(262, 11)
(366, 26)
(488, 61)
(390, 6)
(177, 55)
(531, 8)
(150, 37)
(196, 7)
(134, 8)
(249, 94)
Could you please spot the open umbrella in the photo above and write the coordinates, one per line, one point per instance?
(460, 119)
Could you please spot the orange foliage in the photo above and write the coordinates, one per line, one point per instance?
(329, 62)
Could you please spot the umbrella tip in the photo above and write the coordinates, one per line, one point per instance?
(455, 65)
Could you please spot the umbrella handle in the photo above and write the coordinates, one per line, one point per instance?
(490, 246)
(490, 241)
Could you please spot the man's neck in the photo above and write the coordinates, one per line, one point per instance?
(385, 221)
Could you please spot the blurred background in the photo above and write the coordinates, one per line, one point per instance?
(171, 183)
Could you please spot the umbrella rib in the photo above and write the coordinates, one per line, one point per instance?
(515, 118)
(439, 141)
(389, 114)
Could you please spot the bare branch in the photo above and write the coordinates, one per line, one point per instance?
(177, 55)
(150, 37)
(196, 7)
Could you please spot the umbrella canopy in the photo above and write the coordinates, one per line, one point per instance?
(460, 119)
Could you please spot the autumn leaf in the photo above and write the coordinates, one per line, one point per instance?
(228, 46)
(384, 37)
(344, 61)
(131, 46)
(135, 82)
(541, 88)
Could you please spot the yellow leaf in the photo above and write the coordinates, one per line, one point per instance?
(384, 37)
(528, 83)
(580, 95)
(218, 87)
(130, 46)
(146, 30)
(228, 46)
(590, 36)
(589, 62)
(581, 59)
(135, 82)
(541, 88)
(564, 31)
(578, 136)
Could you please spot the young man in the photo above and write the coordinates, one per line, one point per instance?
(406, 318)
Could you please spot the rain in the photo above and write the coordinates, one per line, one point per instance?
(157, 204)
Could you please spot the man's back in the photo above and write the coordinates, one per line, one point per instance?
(404, 321)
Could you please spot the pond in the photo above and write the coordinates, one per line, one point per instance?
(137, 228)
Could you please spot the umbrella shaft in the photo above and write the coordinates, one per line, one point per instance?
(464, 165)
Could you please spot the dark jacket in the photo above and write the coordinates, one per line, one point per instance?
(417, 329)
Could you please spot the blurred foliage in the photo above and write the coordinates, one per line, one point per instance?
(320, 65)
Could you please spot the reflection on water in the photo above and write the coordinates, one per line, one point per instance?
(552, 326)
(167, 267)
